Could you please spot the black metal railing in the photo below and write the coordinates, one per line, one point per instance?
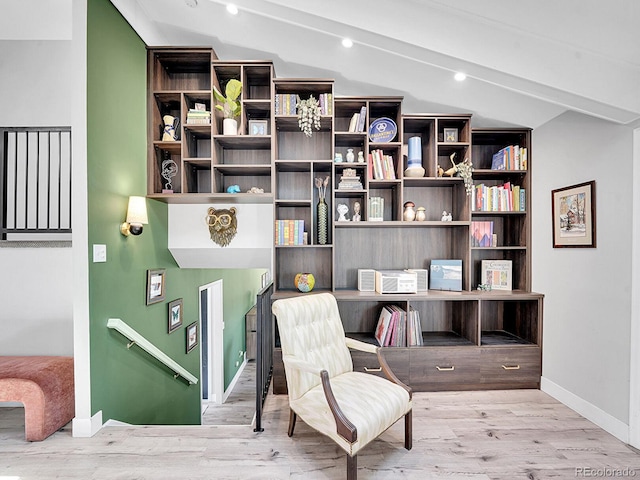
(35, 183)
(264, 353)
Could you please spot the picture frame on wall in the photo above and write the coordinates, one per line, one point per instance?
(258, 127)
(573, 214)
(192, 336)
(175, 315)
(155, 286)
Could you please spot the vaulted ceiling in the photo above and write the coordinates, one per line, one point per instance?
(526, 61)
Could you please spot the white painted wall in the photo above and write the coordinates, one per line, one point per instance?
(37, 88)
(191, 245)
(587, 306)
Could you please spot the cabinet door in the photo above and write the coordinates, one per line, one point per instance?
(397, 358)
(444, 368)
(506, 367)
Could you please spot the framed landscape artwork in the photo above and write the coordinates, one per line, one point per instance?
(573, 212)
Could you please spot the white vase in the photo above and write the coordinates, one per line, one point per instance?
(350, 155)
(229, 126)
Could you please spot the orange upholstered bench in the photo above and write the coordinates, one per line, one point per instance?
(44, 385)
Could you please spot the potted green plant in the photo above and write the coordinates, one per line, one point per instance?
(229, 106)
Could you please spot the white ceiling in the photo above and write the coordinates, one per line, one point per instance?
(527, 61)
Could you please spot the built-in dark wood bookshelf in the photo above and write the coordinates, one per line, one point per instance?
(472, 339)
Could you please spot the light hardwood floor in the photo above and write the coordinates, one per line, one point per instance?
(457, 435)
(240, 407)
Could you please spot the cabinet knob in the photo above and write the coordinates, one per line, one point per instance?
(511, 367)
(370, 370)
(446, 369)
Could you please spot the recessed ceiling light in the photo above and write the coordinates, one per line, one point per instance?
(191, 3)
(347, 42)
(232, 9)
(460, 77)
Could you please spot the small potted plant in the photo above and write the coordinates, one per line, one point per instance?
(229, 106)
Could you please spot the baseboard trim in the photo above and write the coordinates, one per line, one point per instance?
(594, 414)
(86, 427)
(228, 391)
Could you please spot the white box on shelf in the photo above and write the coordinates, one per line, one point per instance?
(396, 281)
(422, 278)
(366, 280)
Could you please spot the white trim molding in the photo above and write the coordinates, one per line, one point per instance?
(634, 352)
(87, 427)
(615, 427)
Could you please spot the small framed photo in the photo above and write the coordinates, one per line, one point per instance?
(155, 286)
(175, 315)
(258, 127)
(450, 135)
(192, 336)
(573, 212)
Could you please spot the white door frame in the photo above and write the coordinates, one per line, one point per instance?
(215, 342)
(634, 370)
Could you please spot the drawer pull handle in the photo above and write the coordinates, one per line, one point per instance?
(511, 367)
(367, 369)
(446, 369)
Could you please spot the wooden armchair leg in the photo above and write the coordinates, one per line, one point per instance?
(408, 430)
(352, 467)
(292, 422)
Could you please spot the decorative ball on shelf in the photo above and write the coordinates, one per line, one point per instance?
(304, 282)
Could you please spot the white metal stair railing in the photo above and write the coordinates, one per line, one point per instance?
(150, 348)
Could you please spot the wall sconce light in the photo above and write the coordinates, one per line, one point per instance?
(136, 217)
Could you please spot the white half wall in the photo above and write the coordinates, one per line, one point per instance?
(191, 245)
(588, 297)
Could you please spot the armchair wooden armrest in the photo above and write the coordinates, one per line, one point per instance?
(345, 428)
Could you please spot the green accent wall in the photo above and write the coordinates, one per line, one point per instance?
(128, 384)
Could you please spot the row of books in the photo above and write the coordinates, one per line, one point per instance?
(198, 117)
(512, 157)
(358, 120)
(289, 232)
(499, 198)
(381, 166)
(482, 234)
(285, 103)
(396, 328)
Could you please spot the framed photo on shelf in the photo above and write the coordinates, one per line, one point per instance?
(155, 286)
(451, 135)
(573, 214)
(175, 315)
(258, 127)
(192, 336)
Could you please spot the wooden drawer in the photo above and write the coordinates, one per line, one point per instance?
(444, 368)
(511, 367)
(397, 358)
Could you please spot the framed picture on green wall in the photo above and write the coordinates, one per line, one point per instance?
(175, 315)
(155, 286)
(192, 336)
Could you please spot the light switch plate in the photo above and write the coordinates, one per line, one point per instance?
(99, 253)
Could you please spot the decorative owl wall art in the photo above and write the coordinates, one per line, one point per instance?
(223, 225)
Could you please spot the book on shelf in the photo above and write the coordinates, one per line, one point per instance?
(289, 232)
(383, 165)
(198, 117)
(445, 275)
(376, 209)
(511, 157)
(353, 123)
(497, 273)
(361, 119)
(482, 234)
(498, 198)
(397, 328)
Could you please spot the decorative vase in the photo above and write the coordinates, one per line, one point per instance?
(322, 221)
(350, 156)
(171, 124)
(304, 282)
(421, 214)
(409, 214)
(360, 157)
(229, 126)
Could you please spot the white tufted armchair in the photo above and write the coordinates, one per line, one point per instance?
(352, 408)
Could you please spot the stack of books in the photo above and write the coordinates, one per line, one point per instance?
(349, 180)
(358, 121)
(512, 157)
(499, 198)
(381, 166)
(285, 103)
(198, 117)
